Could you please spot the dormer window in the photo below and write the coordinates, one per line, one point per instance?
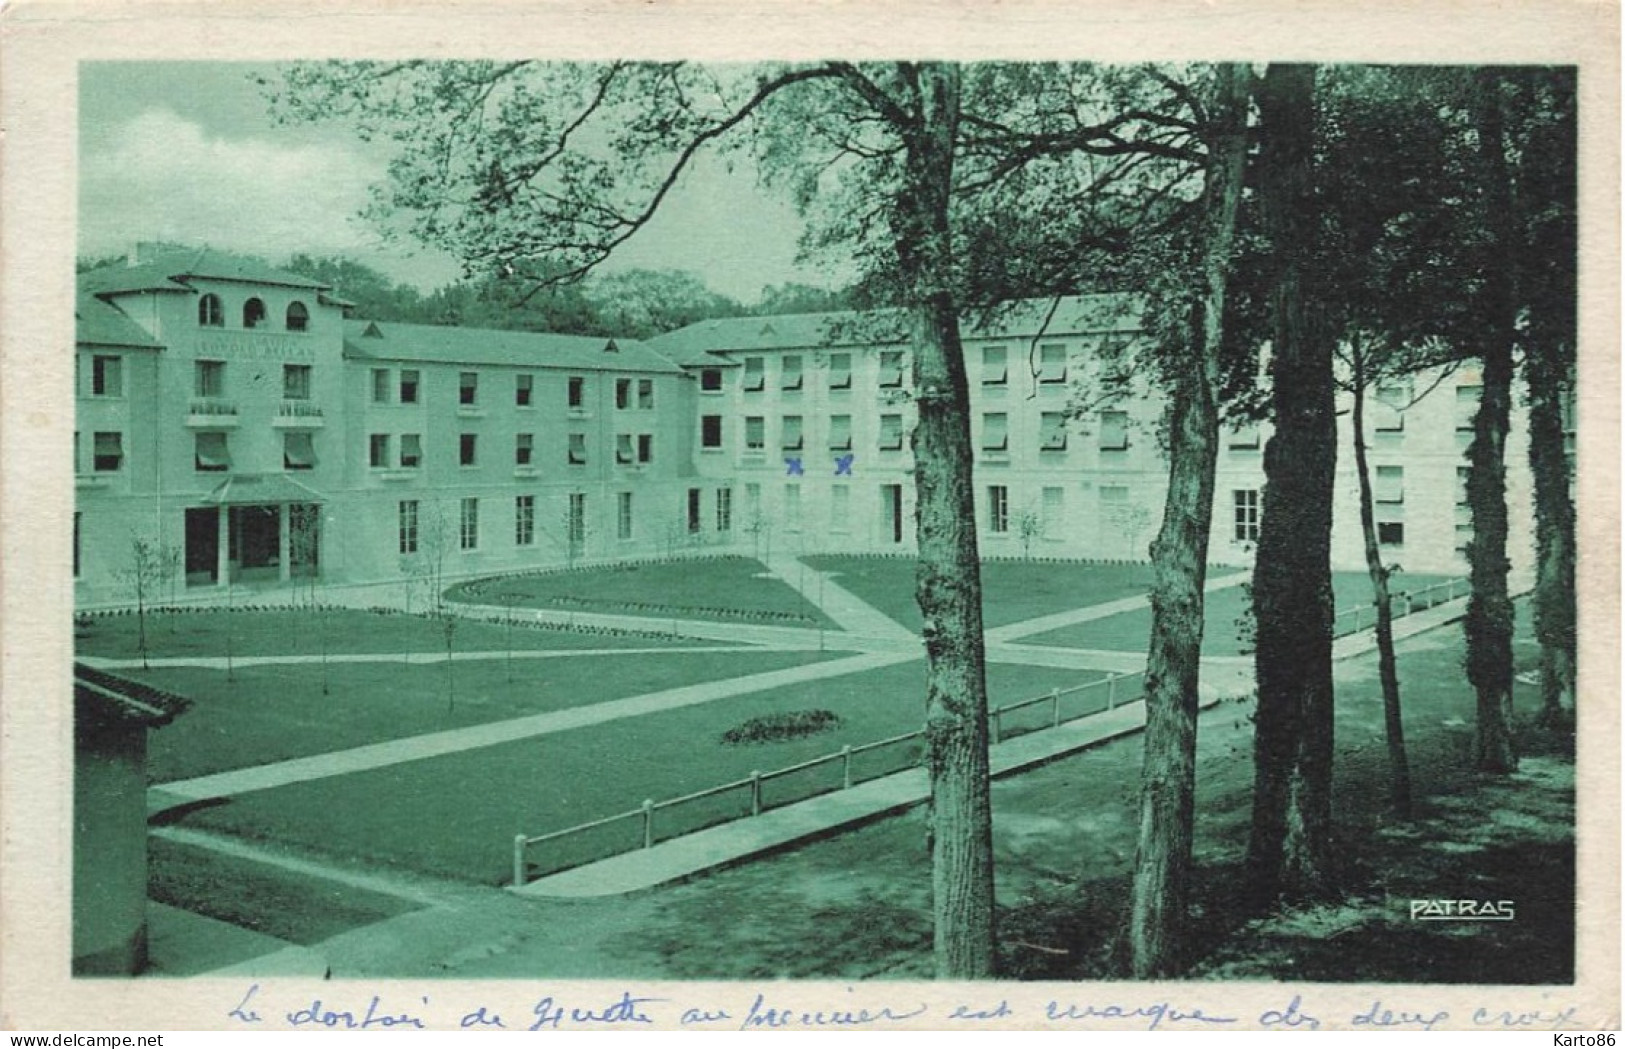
(253, 314)
(210, 314)
(298, 318)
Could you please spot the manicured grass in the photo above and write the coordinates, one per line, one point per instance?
(272, 713)
(207, 632)
(1012, 591)
(457, 815)
(720, 589)
(1221, 636)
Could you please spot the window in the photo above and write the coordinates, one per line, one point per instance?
(646, 448)
(577, 454)
(76, 545)
(1052, 364)
(211, 379)
(694, 503)
(840, 508)
(646, 394)
(107, 453)
(998, 508)
(253, 314)
(891, 369)
(625, 455)
(1463, 476)
(296, 382)
(468, 449)
(710, 431)
(891, 433)
(380, 386)
(1390, 486)
(1054, 511)
(840, 433)
(407, 525)
(409, 386)
(297, 317)
(753, 500)
(211, 453)
(524, 520)
(210, 314)
(755, 374)
(1467, 398)
(576, 392)
(623, 515)
(522, 389)
(1388, 407)
(792, 433)
(995, 432)
(725, 509)
(840, 371)
(790, 377)
(469, 533)
(1052, 432)
(378, 450)
(1391, 533)
(576, 529)
(711, 380)
(1113, 431)
(411, 451)
(523, 445)
(107, 376)
(792, 506)
(995, 366)
(623, 393)
(298, 450)
(1246, 519)
(1245, 437)
(468, 388)
(755, 433)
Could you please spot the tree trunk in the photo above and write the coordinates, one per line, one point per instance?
(1489, 609)
(1179, 556)
(960, 823)
(1399, 783)
(1289, 853)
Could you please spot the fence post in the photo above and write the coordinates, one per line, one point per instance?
(648, 823)
(998, 724)
(519, 841)
(1055, 708)
(755, 793)
(1111, 691)
(846, 767)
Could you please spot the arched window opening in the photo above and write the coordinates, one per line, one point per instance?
(210, 314)
(298, 317)
(253, 313)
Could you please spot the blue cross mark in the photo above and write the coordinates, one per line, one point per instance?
(792, 467)
(843, 464)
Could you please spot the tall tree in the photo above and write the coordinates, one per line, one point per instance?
(1290, 849)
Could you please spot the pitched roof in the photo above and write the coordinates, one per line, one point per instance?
(99, 323)
(170, 270)
(1073, 315)
(102, 700)
(380, 340)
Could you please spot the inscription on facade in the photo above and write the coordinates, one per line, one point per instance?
(257, 348)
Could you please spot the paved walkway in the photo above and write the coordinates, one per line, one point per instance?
(852, 613)
(473, 737)
(1104, 610)
(749, 633)
(411, 658)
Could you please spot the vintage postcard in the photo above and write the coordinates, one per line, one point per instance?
(785, 516)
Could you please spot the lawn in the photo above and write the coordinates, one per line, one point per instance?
(1012, 591)
(1224, 609)
(719, 589)
(457, 815)
(272, 713)
(208, 632)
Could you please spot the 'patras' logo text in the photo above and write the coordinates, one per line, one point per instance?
(1463, 910)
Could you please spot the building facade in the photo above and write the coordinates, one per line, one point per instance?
(233, 417)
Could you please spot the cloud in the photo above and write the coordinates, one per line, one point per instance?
(164, 177)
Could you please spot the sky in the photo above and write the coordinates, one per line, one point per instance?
(187, 152)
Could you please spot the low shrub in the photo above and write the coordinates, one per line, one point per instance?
(772, 728)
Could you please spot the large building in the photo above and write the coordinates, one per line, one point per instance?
(233, 414)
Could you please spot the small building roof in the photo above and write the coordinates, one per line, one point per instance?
(100, 323)
(261, 490)
(388, 341)
(104, 700)
(171, 270)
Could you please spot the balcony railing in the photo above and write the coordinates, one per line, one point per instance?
(299, 409)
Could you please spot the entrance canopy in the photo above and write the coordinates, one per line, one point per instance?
(261, 489)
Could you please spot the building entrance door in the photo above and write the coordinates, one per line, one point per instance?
(256, 538)
(203, 546)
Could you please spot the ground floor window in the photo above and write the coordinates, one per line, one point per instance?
(524, 520)
(1054, 511)
(840, 508)
(408, 526)
(998, 508)
(623, 515)
(577, 525)
(694, 495)
(1246, 515)
(792, 507)
(1391, 533)
(469, 534)
(107, 455)
(76, 516)
(725, 509)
